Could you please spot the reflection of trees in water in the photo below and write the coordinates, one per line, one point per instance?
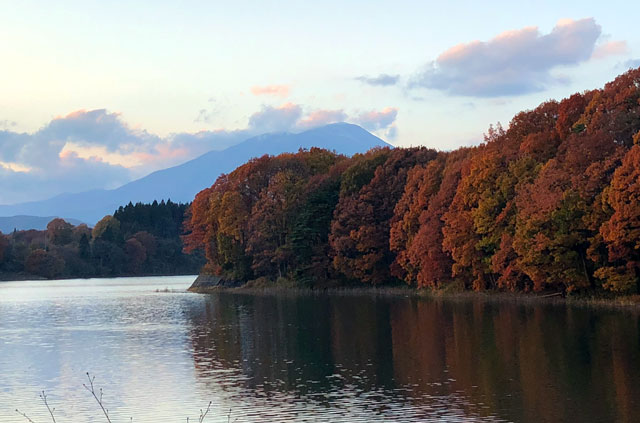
(523, 363)
(519, 362)
(302, 344)
(276, 343)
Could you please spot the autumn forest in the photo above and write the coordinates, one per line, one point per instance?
(550, 204)
(140, 239)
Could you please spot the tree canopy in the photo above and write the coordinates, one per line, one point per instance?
(552, 202)
(140, 239)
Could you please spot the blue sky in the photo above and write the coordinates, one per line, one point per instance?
(93, 94)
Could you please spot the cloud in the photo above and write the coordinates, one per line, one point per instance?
(512, 63)
(215, 109)
(322, 117)
(611, 48)
(205, 116)
(275, 119)
(12, 145)
(15, 167)
(376, 120)
(382, 122)
(34, 166)
(7, 124)
(382, 80)
(272, 90)
(632, 64)
(96, 127)
(93, 149)
(391, 133)
(89, 150)
(68, 173)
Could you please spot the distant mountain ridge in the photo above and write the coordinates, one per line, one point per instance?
(181, 183)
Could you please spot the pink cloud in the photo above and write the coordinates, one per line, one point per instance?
(162, 154)
(511, 63)
(375, 120)
(273, 90)
(612, 48)
(322, 117)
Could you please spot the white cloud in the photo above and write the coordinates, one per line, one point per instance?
(512, 63)
(275, 119)
(96, 149)
(382, 80)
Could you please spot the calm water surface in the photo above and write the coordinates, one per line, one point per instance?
(162, 356)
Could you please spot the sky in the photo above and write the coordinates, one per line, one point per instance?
(94, 94)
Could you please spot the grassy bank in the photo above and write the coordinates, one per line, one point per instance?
(555, 298)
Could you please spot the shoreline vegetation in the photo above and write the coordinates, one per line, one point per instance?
(548, 207)
(602, 300)
(137, 240)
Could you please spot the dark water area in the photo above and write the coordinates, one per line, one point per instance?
(162, 356)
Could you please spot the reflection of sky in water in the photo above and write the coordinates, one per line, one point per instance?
(162, 356)
(130, 337)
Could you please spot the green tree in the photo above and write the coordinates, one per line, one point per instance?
(107, 229)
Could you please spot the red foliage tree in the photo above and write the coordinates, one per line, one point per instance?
(360, 230)
(423, 183)
(622, 231)
(426, 254)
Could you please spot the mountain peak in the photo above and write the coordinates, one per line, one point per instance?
(181, 183)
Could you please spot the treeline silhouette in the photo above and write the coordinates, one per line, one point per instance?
(140, 239)
(551, 203)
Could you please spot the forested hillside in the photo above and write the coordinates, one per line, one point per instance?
(551, 203)
(141, 239)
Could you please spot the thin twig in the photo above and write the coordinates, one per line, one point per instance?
(44, 399)
(24, 415)
(92, 390)
(203, 415)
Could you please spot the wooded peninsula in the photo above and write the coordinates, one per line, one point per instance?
(550, 204)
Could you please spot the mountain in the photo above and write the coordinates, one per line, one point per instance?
(181, 183)
(8, 224)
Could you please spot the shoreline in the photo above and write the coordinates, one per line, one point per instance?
(619, 303)
(32, 278)
(20, 277)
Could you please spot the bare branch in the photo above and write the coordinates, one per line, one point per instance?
(92, 390)
(24, 415)
(203, 415)
(44, 399)
(229, 417)
(97, 395)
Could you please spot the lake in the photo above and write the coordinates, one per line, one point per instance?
(162, 356)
